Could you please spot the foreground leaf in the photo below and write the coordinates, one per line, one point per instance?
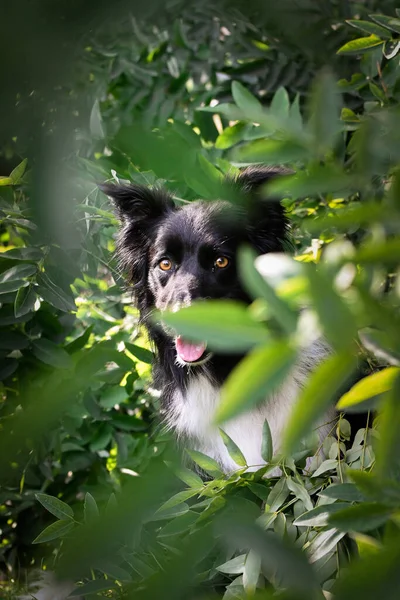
(233, 450)
(369, 387)
(317, 396)
(223, 324)
(257, 376)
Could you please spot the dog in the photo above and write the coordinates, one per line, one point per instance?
(176, 255)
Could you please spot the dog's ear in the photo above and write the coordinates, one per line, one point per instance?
(137, 202)
(267, 223)
(139, 209)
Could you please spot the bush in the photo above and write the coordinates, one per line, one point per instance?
(79, 432)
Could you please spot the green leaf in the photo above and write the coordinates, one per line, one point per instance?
(12, 286)
(25, 254)
(92, 587)
(179, 525)
(278, 495)
(235, 566)
(17, 174)
(375, 576)
(251, 107)
(270, 151)
(49, 353)
(188, 477)
(369, 387)
(369, 27)
(387, 22)
(24, 301)
(256, 377)
(230, 111)
(316, 180)
(323, 543)
(324, 110)
(206, 463)
(54, 531)
(231, 136)
(300, 492)
(334, 315)
(251, 572)
(267, 449)
(318, 517)
(18, 272)
(361, 517)
(280, 104)
(56, 507)
(5, 181)
(360, 45)
(143, 354)
(13, 340)
(388, 446)
(258, 286)
(343, 491)
(233, 450)
(225, 324)
(317, 396)
(177, 499)
(91, 512)
(53, 294)
(95, 121)
(112, 396)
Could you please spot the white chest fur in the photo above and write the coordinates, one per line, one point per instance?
(192, 415)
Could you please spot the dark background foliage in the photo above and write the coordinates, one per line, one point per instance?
(160, 93)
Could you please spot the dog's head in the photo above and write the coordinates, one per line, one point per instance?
(176, 255)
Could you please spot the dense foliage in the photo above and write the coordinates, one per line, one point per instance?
(182, 99)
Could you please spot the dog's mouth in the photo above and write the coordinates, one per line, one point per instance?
(190, 353)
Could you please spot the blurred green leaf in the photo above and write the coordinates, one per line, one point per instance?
(258, 286)
(250, 106)
(324, 111)
(51, 354)
(225, 324)
(91, 512)
(257, 376)
(362, 517)
(317, 395)
(318, 516)
(270, 151)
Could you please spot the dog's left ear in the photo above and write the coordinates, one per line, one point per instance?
(267, 223)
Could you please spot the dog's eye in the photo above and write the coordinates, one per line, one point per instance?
(165, 264)
(222, 262)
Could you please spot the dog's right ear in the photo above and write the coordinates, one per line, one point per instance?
(135, 203)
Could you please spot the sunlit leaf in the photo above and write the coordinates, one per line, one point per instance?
(360, 45)
(369, 387)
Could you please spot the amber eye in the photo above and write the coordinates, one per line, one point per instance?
(165, 264)
(221, 262)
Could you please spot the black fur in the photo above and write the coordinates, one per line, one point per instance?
(192, 236)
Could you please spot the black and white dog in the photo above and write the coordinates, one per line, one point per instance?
(176, 255)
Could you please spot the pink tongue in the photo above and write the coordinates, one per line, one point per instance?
(189, 352)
